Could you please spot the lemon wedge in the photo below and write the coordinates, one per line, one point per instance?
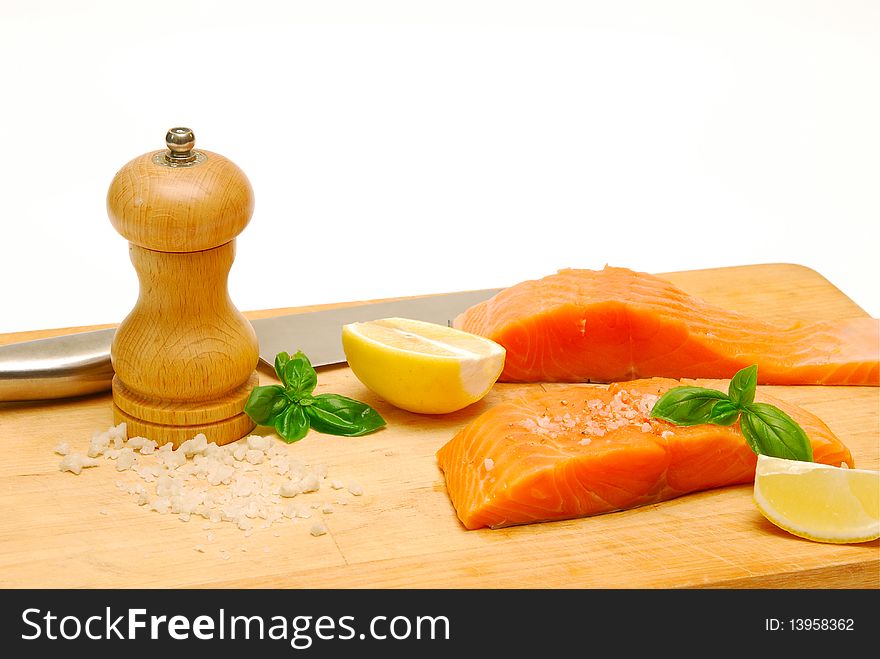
(422, 367)
(819, 502)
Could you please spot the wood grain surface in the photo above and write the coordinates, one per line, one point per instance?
(62, 530)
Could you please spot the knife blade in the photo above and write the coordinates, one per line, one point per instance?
(79, 364)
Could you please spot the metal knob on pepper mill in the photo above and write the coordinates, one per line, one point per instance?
(185, 357)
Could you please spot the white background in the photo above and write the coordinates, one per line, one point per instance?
(401, 148)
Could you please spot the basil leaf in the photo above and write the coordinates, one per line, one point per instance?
(281, 360)
(293, 424)
(338, 415)
(691, 406)
(264, 404)
(770, 431)
(299, 376)
(293, 409)
(742, 386)
(724, 413)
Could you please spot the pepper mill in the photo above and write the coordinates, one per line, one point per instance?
(184, 358)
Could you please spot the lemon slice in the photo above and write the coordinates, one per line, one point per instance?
(422, 367)
(817, 501)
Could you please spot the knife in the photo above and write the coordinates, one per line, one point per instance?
(79, 364)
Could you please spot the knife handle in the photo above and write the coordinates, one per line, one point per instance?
(57, 367)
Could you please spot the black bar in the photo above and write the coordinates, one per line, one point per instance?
(435, 622)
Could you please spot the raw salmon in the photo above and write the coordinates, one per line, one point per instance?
(614, 324)
(580, 450)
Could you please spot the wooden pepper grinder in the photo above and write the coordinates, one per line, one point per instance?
(185, 357)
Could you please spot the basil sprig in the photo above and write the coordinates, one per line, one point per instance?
(767, 429)
(292, 408)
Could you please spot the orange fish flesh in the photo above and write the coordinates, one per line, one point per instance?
(615, 324)
(580, 450)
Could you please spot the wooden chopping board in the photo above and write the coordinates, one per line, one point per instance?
(67, 531)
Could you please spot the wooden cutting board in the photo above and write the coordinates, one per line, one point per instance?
(62, 530)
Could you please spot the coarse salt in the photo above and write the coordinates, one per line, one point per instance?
(258, 443)
(76, 462)
(126, 459)
(239, 483)
(310, 483)
(290, 489)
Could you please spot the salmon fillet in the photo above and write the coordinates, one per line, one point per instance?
(614, 325)
(581, 450)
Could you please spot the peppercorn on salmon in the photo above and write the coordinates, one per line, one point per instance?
(579, 450)
(615, 324)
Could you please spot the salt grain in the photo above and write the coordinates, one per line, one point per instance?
(136, 442)
(317, 529)
(125, 460)
(98, 445)
(290, 489)
(63, 448)
(310, 483)
(258, 443)
(148, 447)
(597, 418)
(241, 483)
(76, 462)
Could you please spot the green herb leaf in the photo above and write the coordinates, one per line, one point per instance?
(724, 413)
(691, 406)
(767, 429)
(264, 404)
(293, 424)
(292, 408)
(299, 376)
(770, 431)
(281, 360)
(338, 415)
(743, 386)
